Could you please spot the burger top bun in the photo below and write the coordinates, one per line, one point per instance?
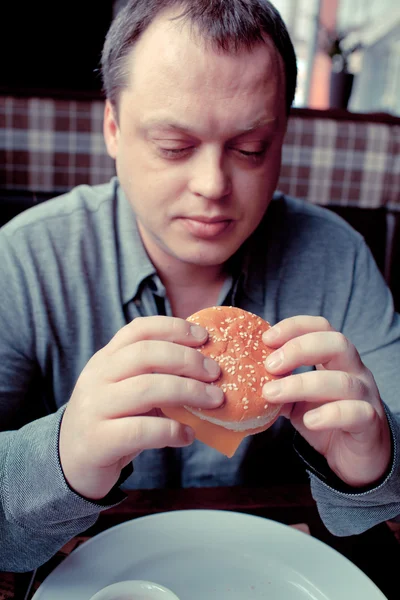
(235, 343)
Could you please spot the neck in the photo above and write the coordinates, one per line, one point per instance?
(189, 287)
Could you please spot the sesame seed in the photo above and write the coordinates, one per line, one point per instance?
(245, 408)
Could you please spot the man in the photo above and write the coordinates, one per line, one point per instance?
(96, 286)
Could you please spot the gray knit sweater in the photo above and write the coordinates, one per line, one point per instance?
(73, 271)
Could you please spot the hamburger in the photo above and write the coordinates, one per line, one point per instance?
(235, 342)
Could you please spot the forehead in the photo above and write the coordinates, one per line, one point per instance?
(171, 64)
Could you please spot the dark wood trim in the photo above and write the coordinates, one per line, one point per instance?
(345, 115)
(52, 94)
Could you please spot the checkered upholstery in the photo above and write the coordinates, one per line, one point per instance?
(343, 163)
(52, 145)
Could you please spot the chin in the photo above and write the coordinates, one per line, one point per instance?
(205, 253)
(206, 259)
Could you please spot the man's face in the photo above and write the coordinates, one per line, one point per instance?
(197, 142)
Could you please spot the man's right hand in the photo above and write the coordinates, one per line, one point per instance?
(115, 410)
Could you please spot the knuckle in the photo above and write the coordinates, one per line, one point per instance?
(370, 413)
(294, 346)
(173, 430)
(188, 358)
(298, 386)
(341, 342)
(193, 389)
(145, 384)
(179, 328)
(337, 412)
(133, 330)
(138, 432)
(351, 386)
(136, 325)
(324, 324)
(141, 350)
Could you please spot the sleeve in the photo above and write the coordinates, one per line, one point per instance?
(373, 326)
(39, 513)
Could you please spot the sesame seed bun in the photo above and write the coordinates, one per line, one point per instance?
(235, 342)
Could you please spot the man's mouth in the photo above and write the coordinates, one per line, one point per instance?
(206, 228)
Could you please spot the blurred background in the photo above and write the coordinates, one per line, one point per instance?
(348, 50)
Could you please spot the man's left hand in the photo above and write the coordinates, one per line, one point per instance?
(337, 407)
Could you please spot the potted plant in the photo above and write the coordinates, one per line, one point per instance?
(336, 45)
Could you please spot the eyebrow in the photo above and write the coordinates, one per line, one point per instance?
(182, 127)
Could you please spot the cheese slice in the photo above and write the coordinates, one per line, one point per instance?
(219, 438)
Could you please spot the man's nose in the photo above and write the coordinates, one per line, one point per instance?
(210, 177)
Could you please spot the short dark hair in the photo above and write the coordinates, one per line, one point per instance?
(230, 25)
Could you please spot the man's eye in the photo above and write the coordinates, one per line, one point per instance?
(251, 152)
(254, 157)
(175, 152)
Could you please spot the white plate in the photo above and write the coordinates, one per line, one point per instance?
(210, 555)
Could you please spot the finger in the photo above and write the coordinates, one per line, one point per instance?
(168, 329)
(353, 416)
(129, 435)
(293, 327)
(160, 357)
(330, 349)
(315, 386)
(139, 395)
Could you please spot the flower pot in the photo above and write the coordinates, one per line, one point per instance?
(341, 85)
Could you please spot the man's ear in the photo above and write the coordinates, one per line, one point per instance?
(110, 130)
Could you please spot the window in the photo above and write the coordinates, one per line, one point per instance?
(301, 19)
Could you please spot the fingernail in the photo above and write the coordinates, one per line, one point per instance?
(312, 418)
(272, 389)
(274, 360)
(198, 332)
(215, 393)
(188, 434)
(270, 335)
(211, 367)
